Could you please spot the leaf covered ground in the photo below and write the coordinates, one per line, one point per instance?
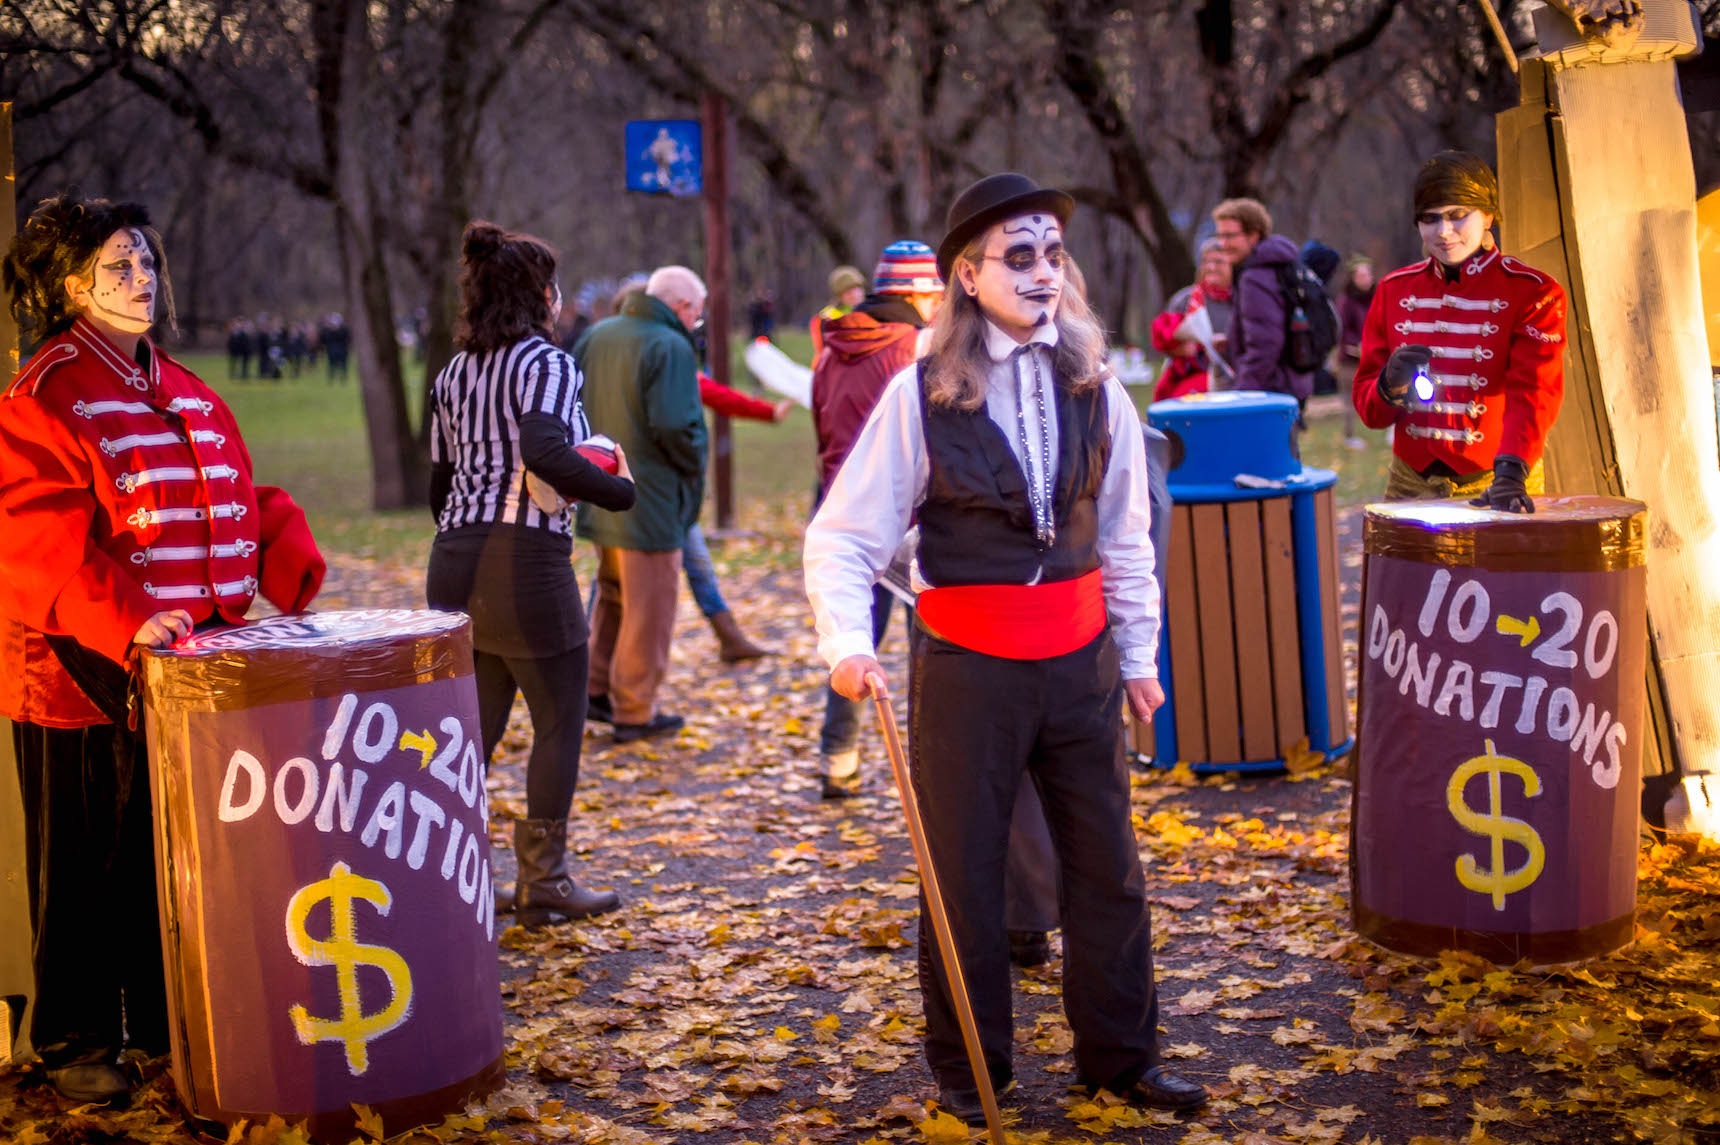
(759, 983)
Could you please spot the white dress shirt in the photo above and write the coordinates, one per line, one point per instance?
(870, 505)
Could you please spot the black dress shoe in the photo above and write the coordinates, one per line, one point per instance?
(1029, 948)
(1164, 1088)
(964, 1104)
(661, 724)
(86, 1082)
(598, 711)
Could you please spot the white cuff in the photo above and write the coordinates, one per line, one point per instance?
(1139, 664)
(845, 644)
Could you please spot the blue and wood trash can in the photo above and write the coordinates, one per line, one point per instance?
(1251, 654)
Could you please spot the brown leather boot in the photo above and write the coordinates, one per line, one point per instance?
(732, 645)
(545, 893)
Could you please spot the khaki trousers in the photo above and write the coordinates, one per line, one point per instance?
(1405, 484)
(632, 626)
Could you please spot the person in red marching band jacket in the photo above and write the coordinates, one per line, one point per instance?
(1463, 352)
(128, 516)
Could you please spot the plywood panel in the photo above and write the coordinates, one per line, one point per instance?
(1253, 655)
(1182, 617)
(1217, 634)
(1337, 698)
(1279, 557)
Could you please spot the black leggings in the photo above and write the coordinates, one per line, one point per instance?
(554, 688)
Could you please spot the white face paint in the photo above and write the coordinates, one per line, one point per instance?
(1018, 298)
(1451, 234)
(120, 293)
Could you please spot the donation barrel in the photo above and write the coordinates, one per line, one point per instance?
(1500, 728)
(1251, 654)
(323, 866)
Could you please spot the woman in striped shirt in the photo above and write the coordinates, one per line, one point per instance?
(507, 405)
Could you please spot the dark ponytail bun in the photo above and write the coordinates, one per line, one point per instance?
(504, 277)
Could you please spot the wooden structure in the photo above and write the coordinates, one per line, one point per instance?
(1597, 189)
(15, 972)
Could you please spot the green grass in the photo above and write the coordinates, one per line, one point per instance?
(308, 437)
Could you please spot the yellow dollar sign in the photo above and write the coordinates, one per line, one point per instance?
(342, 951)
(1496, 880)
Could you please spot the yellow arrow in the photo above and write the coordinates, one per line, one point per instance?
(1511, 626)
(420, 741)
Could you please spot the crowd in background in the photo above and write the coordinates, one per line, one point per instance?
(279, 348)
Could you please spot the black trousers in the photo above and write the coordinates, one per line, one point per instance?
(982, 725)
(90, 861)
(554, 688)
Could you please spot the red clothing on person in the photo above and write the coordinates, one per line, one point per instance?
(125, 492)
(727, 400)
(1182, 375)
(860, 356)
(1498, 339)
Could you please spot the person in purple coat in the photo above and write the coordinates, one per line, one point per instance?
(1257, 327)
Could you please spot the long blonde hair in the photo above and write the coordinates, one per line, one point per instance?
(957, 362)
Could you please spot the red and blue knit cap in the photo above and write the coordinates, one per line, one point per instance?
(907, 267)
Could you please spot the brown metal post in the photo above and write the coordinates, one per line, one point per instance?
(716, 192)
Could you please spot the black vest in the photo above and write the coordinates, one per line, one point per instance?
(976, 525)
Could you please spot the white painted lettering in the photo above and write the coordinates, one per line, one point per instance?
(1459, 686)
(345, 798)
(1473, 594)
(388, 815)
(430, 814)
(1413, 675)
(1435, 597)
(1531, 704)
(1395, 642)
(292, 814)
(370, 748)
(1500, 682)
(243, 762)
(336, 734)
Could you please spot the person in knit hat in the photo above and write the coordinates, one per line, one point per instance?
(847, 288)
(862, 351)
(1482, 333)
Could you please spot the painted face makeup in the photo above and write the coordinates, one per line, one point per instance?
(122, 293)
(1452, 234)
(1019, 279)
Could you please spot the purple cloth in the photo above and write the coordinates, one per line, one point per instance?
(1257, 330)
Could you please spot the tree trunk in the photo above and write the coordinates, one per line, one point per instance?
(399, 475)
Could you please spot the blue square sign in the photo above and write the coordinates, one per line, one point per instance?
(663, 156)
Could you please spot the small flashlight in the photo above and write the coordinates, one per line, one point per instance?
(1423, 385)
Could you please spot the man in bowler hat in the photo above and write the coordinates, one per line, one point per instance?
(1020, 455)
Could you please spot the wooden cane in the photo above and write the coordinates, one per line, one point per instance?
(940, 917)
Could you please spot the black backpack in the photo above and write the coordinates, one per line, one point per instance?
(1310, 319)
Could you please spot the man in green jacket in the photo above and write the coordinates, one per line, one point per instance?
(642, 389)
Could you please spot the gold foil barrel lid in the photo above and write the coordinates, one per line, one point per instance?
(1572, 533)
(288, 658)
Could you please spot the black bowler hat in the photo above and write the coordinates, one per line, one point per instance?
(993, 199)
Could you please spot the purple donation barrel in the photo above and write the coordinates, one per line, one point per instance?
(323, 869)
(1500, 724)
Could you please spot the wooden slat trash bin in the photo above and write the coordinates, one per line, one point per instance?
(1251, 653)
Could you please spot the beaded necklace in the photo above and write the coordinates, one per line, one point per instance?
(1038, 488)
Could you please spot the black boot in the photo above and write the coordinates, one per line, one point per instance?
(545, 893)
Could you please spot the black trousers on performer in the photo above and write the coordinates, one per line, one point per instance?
(981, 726)
(90, 861)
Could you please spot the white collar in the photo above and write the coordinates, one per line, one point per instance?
(125, 368)
(1000, 345)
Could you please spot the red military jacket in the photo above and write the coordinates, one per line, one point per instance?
(125, 492)
(1498, 341)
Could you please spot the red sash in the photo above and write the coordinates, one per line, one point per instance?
(1017, 621)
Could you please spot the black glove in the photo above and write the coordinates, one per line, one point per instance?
(1399, 374)
(1507, 493)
